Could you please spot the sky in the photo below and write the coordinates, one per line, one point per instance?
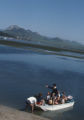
(53, 18)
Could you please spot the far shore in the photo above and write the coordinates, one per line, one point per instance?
(7, 113)
(42, 48)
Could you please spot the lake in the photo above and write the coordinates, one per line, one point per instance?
(24, 73)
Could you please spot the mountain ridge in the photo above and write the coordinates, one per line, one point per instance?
(20, 33)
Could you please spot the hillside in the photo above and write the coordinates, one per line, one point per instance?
(19, 33)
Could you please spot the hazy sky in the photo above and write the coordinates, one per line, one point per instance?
(55, 18)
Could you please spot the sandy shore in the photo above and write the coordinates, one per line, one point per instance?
(7, 113)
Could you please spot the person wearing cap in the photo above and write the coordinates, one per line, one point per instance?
(54, 89)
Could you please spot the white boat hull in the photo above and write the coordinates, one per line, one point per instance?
(47, 107)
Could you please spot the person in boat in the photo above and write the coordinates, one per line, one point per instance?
(58, 98)
(56, 101)
(31, 101)
(50, 102)
(48, 97)
(40, 99)
(53, 98)
(63, 98)
(58, 94)
(54, 89)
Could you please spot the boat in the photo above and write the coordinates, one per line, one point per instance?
(47, 107)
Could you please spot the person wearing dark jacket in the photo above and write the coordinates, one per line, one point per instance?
(54, 89)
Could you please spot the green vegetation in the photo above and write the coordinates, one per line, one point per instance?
(6, 34)
(40, 48)
(24, 45)
(38, 41)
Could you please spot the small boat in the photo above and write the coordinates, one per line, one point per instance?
(47, 107)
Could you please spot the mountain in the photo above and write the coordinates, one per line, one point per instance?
(34, 37)
(11, 27)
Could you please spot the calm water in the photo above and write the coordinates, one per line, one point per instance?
(24, 73)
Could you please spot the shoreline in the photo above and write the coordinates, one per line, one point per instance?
(7, 113)
(43, 49)
(23, 44)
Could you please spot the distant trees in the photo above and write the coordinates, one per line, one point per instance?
(6, 34)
